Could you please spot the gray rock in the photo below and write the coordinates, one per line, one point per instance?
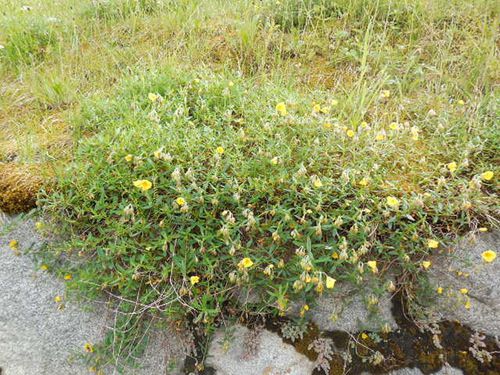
(346, 309)
(482, 283)
(38, 338)
(274, 357)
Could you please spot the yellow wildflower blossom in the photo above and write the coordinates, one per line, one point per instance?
(68, 277)
(461, 102)
(489, 256)
(393, 126)
(180, 201)
(373, 265)
(464, 291)
(327, 125)
(487, 176)
(57, 299)
(317, 183)
(44, 267)
(432, 244)
(330, 282)
(144, 185)
(439, 290)
(467, 304)
(392, 202)
(88, 347)
(350, 133)
(363, 182)
(316, 108)
(426, 264)
(220, 150)
(39, 225)
(452, 167)
(129, 158)
(483, 229)
(153, 97)
(364, 336)
(281, 108)
(385, 94)
(245, 263)
(363, 125)
(13, 244)
(194, 280)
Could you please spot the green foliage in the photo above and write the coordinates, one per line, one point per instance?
(29, 40)
(284, 191)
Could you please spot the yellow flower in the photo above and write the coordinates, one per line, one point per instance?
(13, 244)
(461, 102)
(426, 264)
(373, 265)
(220, 150)
(439, 290)
(281, 108)
(57, 299)
(364, 336)
(385, 93)
(194, 280)
(275, 160)
(327, 125)
(464, 291)
(325, 110)
(432, 244)
(152, 97)
(483, 229)
(392, 202)
(330, 282)
(230, 83)
(303, 310)
(488, 175)
(68, 277)
(489, 256)
(467, 304)
(335, 255)
(452, 167)
(144, 185)
(350, 133)
(180, 201)
(245, 263)
(380, 136)
(363, 125)
(129, 158)
(88, 347)
(393, 125)
(316, 108)
(44, 267)
(39, 225)
(317, 183)
(363, 182)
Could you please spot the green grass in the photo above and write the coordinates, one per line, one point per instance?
(404, 88)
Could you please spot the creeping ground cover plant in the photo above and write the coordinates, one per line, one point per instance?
(190, 187)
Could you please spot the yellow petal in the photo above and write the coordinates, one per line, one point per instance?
(488, 175)
(489, 256)
(432, 244)
(330, 282)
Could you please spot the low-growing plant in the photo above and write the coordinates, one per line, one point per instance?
(195, 184)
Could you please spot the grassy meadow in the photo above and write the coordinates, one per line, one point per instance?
(188, 149)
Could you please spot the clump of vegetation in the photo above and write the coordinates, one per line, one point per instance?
(19, 186)
(294, 330)
(323, 347)
(281, 146)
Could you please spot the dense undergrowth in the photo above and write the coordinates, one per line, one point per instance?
(277, 146)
